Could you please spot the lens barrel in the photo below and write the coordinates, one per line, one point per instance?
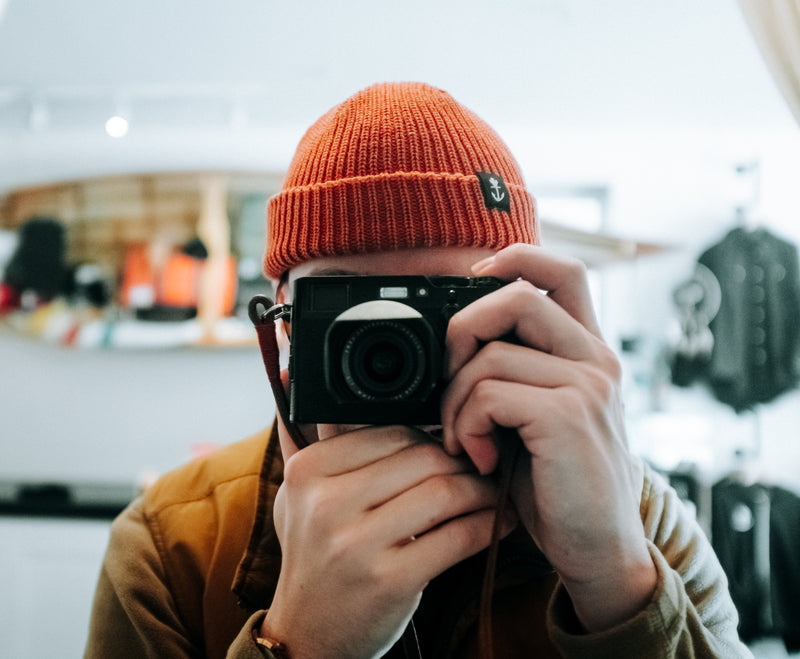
(383, 360)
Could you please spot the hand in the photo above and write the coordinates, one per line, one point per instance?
(365, 519)
(560, 390)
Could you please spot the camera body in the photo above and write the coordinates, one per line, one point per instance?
(370, 349)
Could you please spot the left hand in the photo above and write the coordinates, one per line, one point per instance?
(560, 390)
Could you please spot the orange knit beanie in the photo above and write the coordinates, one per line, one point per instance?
(397, 165)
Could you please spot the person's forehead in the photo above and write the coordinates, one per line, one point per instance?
(424, 261)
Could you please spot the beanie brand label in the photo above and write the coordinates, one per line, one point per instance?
(495, 192)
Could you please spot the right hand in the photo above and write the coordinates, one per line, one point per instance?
(365, 520)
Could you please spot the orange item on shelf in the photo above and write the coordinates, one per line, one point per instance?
(137, 278)
(229, 290)
(180, 282)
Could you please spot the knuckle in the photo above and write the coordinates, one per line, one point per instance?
(575, 270)
(443, 490)
(606, 364)
(462, 538)
(598, 390)
(295, 471)
(321, 504)
(484, 394)
(603, 387)
(458, 324)
(515, 251)
(431, 458)
(522, 292)
(610, 363)
(571, 402)
(493, 353)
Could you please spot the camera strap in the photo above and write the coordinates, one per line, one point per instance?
(509, 445)
(264, 322)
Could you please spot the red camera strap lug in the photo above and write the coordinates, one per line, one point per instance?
(264, 322)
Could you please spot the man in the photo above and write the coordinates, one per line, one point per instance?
(267, 550)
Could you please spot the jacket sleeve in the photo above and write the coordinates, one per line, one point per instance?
(244, 645)
(691, 613)
(133, 614)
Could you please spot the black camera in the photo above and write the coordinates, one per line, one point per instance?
(369, 349)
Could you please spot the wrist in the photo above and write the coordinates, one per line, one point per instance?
(622, 591)
(275, 649)
(268, 643)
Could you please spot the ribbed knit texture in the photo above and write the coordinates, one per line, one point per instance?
(393, 167)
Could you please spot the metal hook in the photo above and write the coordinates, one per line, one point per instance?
(275, 310)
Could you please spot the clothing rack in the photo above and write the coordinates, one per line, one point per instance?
(753, 527)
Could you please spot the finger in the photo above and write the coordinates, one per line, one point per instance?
(493, 403)
(520, 309)
(564, 279)
(428, 505)
(565, 415)
(500, 361)
(353, 450)
(450, 543)
(387, 479)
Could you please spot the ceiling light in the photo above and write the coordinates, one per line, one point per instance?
(118, 123)
(117, 126)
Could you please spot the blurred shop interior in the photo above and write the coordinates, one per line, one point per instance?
(140, 141)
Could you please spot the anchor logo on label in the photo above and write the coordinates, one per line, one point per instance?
(494, 191)
(497, 193)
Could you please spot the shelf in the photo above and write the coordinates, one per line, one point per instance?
(175, 241)
(596, 250)
(111, 221)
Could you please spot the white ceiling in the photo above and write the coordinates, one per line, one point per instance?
(232, 83)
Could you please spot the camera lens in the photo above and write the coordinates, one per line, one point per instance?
(383, 360)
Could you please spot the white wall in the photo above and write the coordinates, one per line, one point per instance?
(120, 416)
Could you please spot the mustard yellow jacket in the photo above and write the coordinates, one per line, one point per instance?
(192, 565)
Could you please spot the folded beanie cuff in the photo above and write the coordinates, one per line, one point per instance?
(391, 211)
